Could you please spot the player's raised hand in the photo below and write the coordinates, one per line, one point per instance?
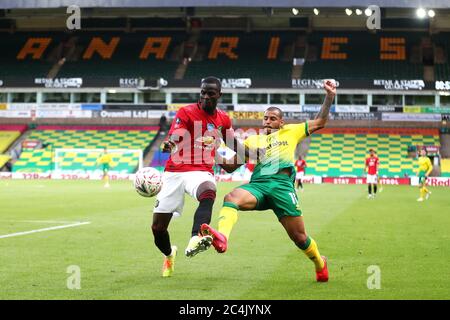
(330, 87)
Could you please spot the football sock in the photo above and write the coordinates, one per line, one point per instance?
(227, 218)
(375, 189)
(301, 184)
(162, 242)
(312, 252)
(204, 210)
(370, 189)
(423, 192)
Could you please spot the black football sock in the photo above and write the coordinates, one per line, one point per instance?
(162, 242)
(204, 210)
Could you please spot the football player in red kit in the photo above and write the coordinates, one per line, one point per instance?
(371, 168)
(195, 133)
(300, 165)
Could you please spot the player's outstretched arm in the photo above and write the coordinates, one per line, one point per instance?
(322, 117)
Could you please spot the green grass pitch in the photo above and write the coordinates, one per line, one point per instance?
(408, 241)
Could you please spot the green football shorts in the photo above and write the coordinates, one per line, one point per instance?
(422, 177)
(105, 167)
(277, 193)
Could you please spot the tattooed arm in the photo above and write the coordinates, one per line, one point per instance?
(322, 117)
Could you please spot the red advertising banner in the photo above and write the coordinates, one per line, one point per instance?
(438, 182)
(31, 175)
(399, 131)
(5, 175)
(350, 180)
(13, 127)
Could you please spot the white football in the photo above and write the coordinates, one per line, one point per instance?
(148, 181)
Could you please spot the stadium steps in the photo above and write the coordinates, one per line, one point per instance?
(155, 148)
(16, 147)
(10, 136)
(296, 71)
(303, 147)
(190, 48)
(181, 70)
(428, 73)
(445, 145)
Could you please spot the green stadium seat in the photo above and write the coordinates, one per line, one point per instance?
(336, 155)
(43, 160)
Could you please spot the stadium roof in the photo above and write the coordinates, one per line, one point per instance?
(17, 4)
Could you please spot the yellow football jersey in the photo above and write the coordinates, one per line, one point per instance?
(425, 164)
(279, 149)
(105, 158)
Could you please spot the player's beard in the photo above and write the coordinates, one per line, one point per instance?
(209, 105)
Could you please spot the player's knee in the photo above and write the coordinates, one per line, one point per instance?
(158, 228)
(301, 238)
(206, 190)
(230, 197)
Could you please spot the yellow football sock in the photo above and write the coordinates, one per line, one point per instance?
(312, 252)
(227, 218)
(423, 192)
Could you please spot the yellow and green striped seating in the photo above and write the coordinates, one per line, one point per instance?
(43, 160)
(344, 154)
(445, 167)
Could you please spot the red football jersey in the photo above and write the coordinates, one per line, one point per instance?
(300, 164)
(199, 135)
(372, 164)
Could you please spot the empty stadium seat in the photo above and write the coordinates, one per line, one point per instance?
(42, 160)
(340, 55)
(445, 167)
(335, 154)
(362, 57)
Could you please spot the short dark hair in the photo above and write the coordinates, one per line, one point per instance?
(214, 80)
(276, 109)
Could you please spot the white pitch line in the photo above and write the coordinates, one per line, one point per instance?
(43, 230)
(40, 221)
(48, 221)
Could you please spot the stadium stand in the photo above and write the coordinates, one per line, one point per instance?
(336, 153)
(445, 167)
(442, 48)
(130, 58)
(87, 54)
(361, 55)
(8, 134)
(84, 137)
(249, 55)
(231, 54)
